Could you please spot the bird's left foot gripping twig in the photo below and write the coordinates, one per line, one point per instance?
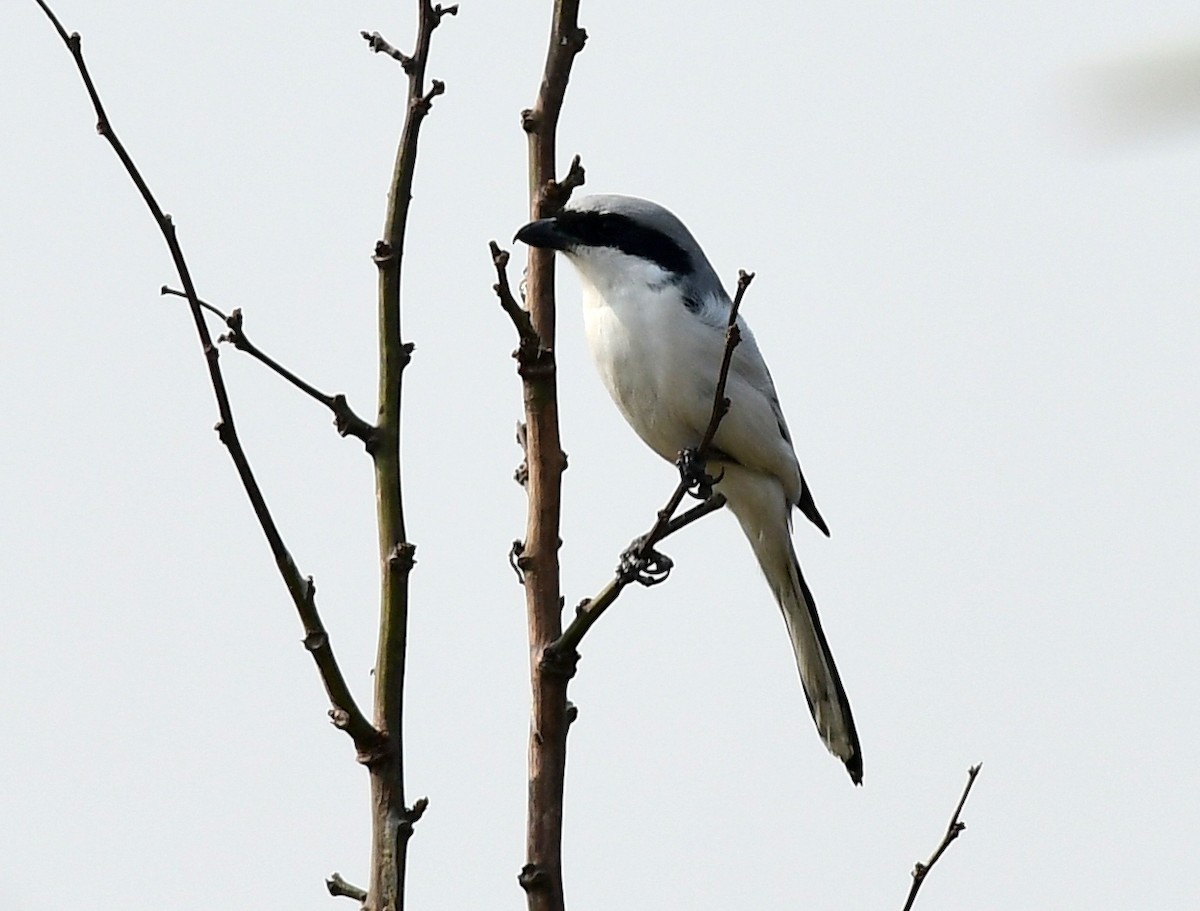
(641, 562)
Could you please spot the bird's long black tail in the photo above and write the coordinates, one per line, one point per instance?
(759, 503)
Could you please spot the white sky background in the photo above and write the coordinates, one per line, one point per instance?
(975, 234)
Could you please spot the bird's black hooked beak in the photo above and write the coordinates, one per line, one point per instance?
(545, 232)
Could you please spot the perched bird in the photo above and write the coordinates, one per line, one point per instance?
(655, 314)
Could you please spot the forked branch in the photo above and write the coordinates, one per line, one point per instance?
(344, 710)
(344, 418)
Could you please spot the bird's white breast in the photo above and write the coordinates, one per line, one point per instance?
(645, 344)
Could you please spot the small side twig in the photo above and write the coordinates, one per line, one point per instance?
(339, 888)
(641, 562)
(557, 193)
(921, 870)
(381, 45)
(348, 423)
(529, 345)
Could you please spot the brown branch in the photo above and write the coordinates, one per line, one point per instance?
(921, 870)
(641, 562)
(344, 418)
(339, 888)
(530, 353)
(541, 877)
(557, 193)
(733, 337)
(381, 45)
(391, 819)
(344, 712)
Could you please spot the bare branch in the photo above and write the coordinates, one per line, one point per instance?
(733, 337)
(557, 192)
(339, 888)
(381, 45)
(530, 353)
(541, 877)
(921, 870)
(425, 102)
(344, 418)
(344, 709)
(639, 563)
(389, 840)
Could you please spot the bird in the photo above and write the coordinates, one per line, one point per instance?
(655, 314)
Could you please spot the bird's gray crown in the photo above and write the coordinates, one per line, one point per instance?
(638, 227)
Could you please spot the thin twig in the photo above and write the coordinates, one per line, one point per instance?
(528, 343)
(733, 337)
(381, 45)
(641, 562)
(557, 193)
(339, 888)
(344, 711)
(921, 870)
(344, 419)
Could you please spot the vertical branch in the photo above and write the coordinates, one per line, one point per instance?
(541, 876)
(391, 819)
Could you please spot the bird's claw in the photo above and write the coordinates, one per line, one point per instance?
(644, 565)
(692, 471)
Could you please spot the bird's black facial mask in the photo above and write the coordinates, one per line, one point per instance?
(570, 230)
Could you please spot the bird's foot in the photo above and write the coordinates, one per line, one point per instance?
(643, 565)
(692, 471)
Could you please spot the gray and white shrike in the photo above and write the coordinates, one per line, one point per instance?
(655, 314)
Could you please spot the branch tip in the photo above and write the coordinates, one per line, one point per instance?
(339, 888)
(417, 810)
(424, 103)
(381, 45)
(557, 193)
(922, 868)
(529, 351)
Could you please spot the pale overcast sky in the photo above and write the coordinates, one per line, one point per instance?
(975, 231)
